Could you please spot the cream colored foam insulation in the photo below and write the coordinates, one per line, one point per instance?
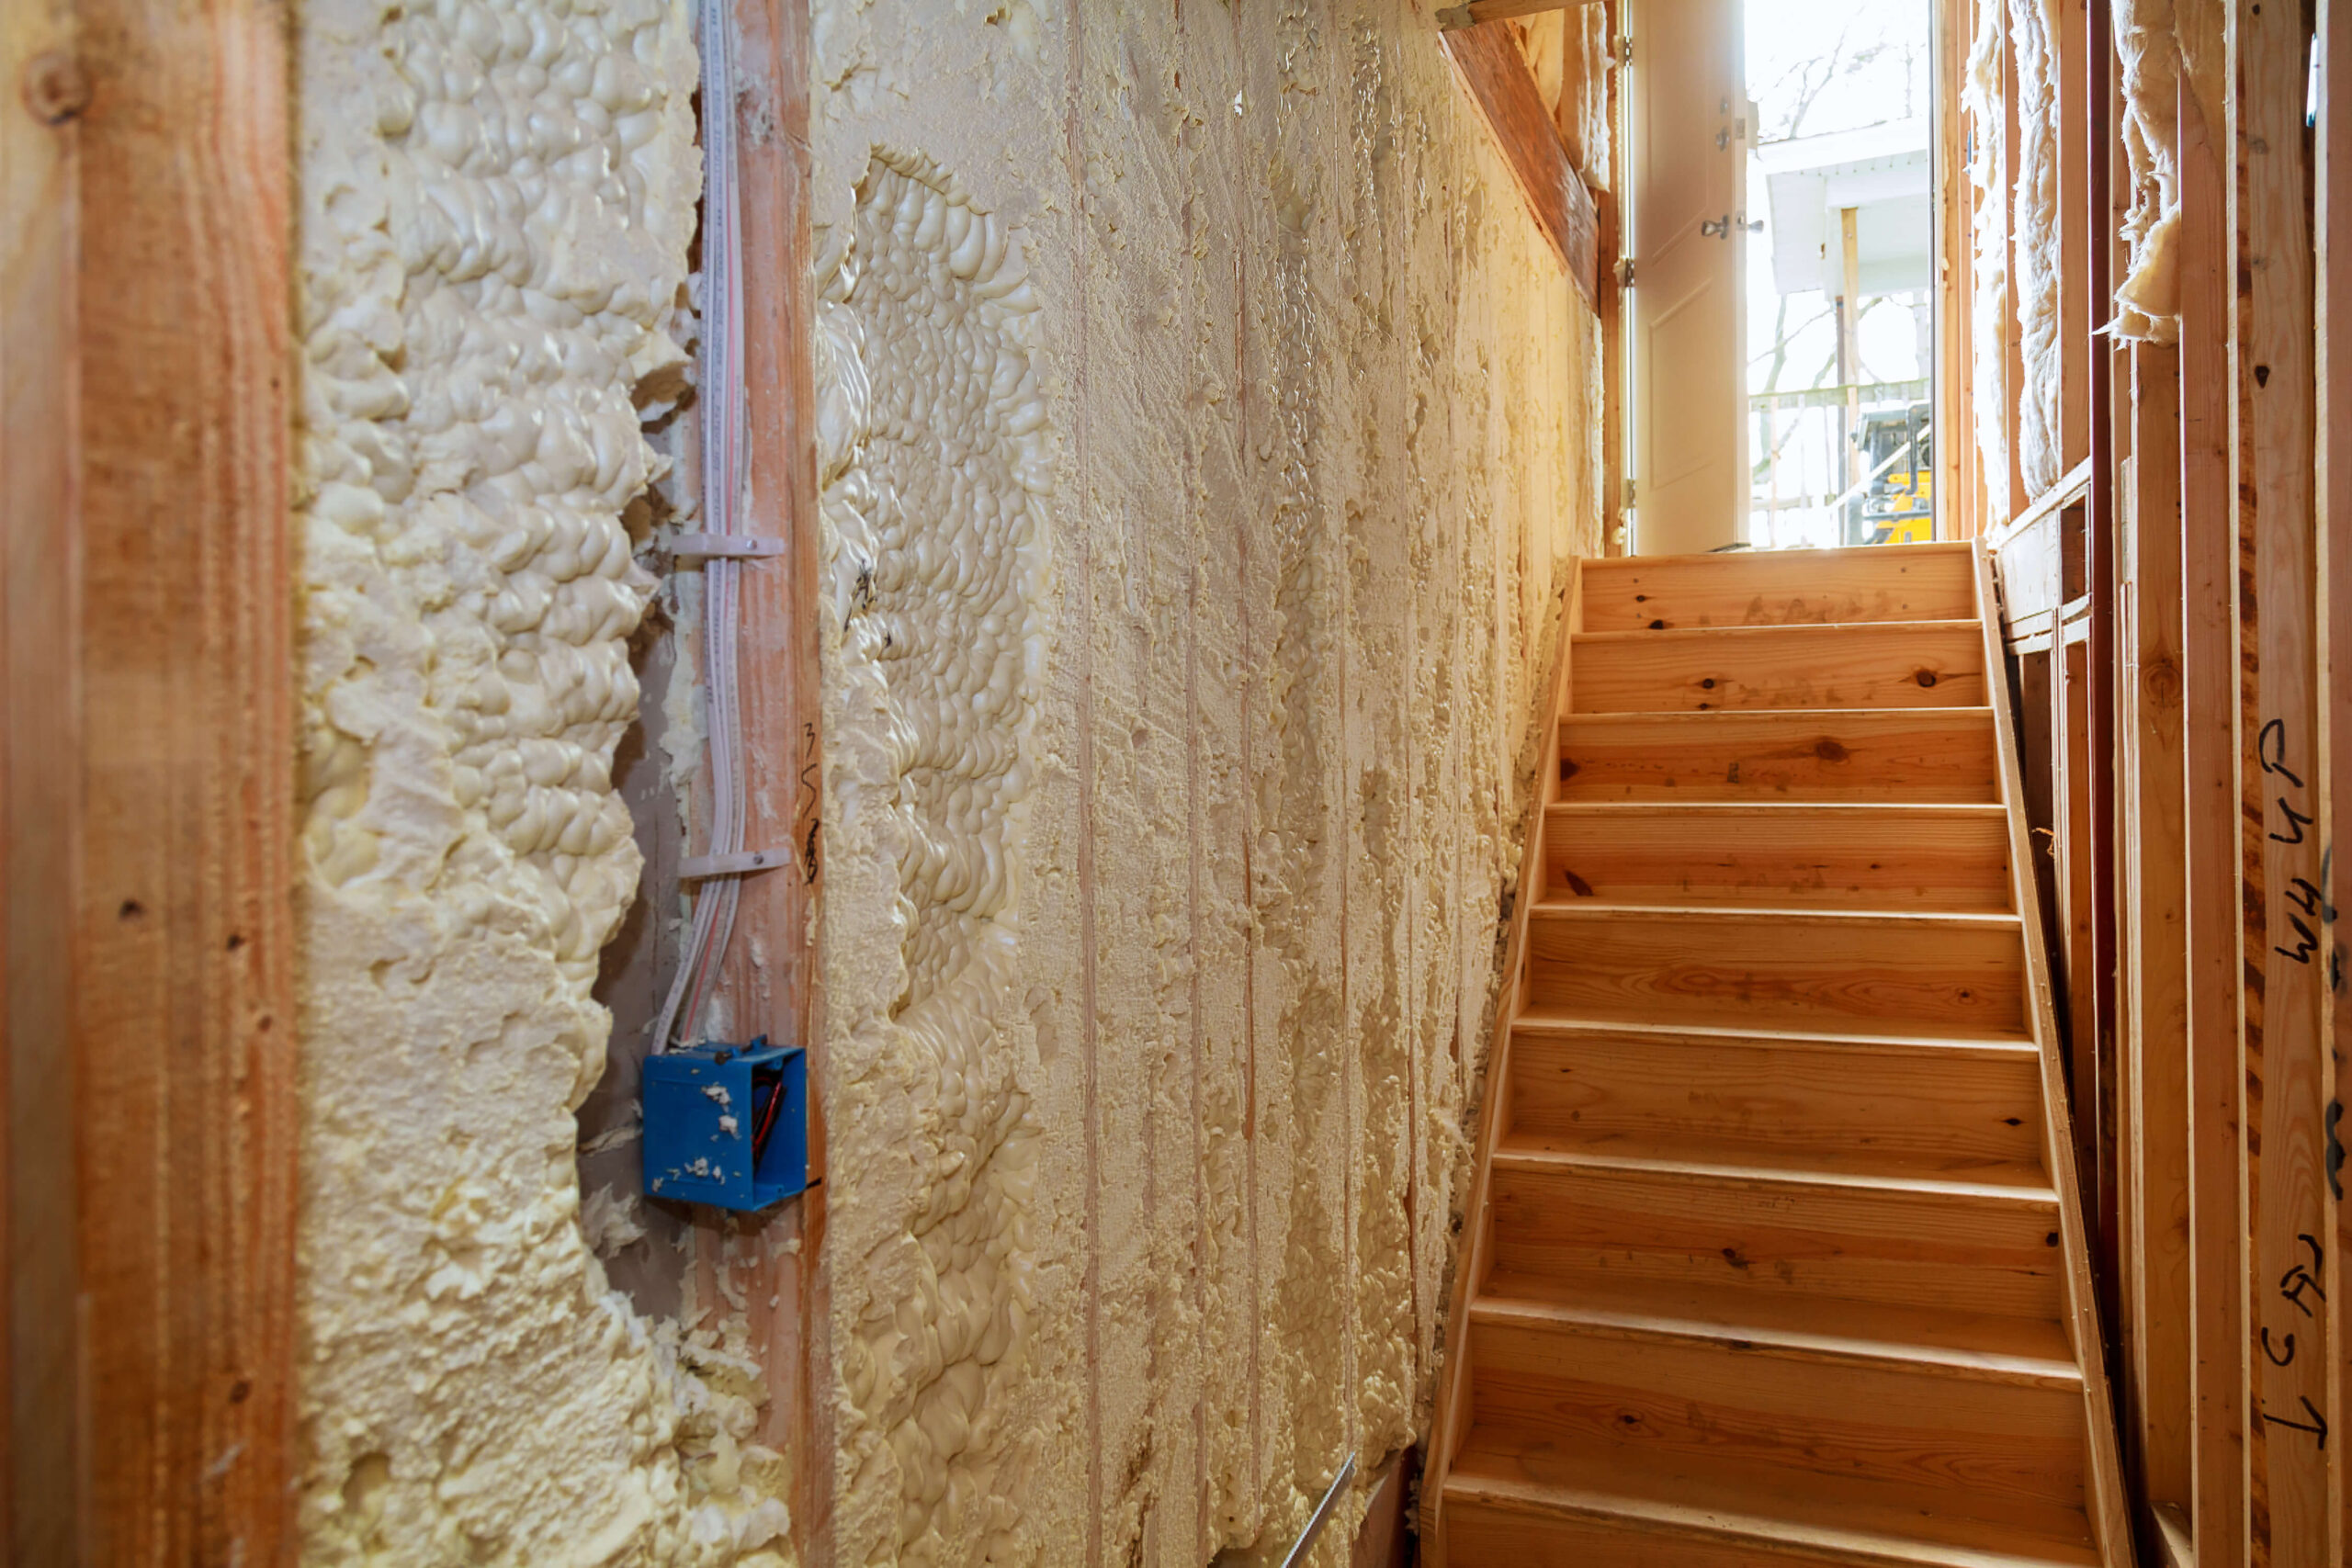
(2034, 247)
(1989, 237)
(1567, 52)
(1205, 431)
(495, 208)
(2158, 42)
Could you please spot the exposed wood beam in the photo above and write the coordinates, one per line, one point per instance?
(1452, 18)
(1498, 81)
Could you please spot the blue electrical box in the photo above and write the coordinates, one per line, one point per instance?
(726, 1125)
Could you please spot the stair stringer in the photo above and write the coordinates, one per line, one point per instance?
(1449, 1419)
(2110, 1513)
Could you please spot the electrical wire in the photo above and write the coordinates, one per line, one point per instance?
(722, 428)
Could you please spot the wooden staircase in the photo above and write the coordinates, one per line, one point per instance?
(1774, 1255)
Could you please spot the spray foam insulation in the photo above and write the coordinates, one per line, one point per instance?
(2159, 44)
(2035, 245)
(495, 208)
(1989, 236)
(1206, 429)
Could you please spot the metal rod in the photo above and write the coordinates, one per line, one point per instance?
(1321, 1516)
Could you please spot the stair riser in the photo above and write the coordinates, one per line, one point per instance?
(1775, 856)
(1478, 1533)
(1918, 1110)
(1884, 758)
(1993, 1256)
(1956, 980)
(1988, 1446)
(1780, 589)
(1842, 667)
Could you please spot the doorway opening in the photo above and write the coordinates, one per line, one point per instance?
(1841, 334)
(1781, 312)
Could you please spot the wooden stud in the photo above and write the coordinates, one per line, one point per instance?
(2332, 373)
(150, 376)
(39, 776)
(2209, 684)
(776, 1263)
(2155, 897)
(2285, 949)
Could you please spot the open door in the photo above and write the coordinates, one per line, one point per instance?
(1688, 114)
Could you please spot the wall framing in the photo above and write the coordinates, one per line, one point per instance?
(146, 351)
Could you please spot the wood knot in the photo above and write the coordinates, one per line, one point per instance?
(55, 86)
(1828, 750)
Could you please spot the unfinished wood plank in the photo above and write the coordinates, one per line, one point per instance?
(1895, 582)
(182, 918)
(1926, 756)
(1960, 975)
(1839, 855)
(1844, 1426)
(1523, 1499)
(2209, 691)
(776, 1263)
(2154, 893)
(2109, 1517)
(1495, 73)
(2332, 309)
(1899, 1108)
(1947, 1245)
(2285, 951)
(1902, 664)
(1998, 1347)
(40, 1498)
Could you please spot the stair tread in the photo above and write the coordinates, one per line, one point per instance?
(1963, 1345)
(1865, 1166)
(1940, 1330)
(1520, 1152)
(1827, 631)
(1802, 914)
(1852, 809)
(1793, 718)
(1544, 1015)
(1734, 561)
(1553, 1022)
(1528, 1477)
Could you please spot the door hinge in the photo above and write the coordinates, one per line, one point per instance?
(1626, 272)
(1625, 50)
(1629, 490)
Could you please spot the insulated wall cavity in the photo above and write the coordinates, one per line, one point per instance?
(496, 204)
(1206, 431)
(936, 463)
(1980, 97)
(2162, 45)
(2036, 245)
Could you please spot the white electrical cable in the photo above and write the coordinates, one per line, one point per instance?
(721, 398)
